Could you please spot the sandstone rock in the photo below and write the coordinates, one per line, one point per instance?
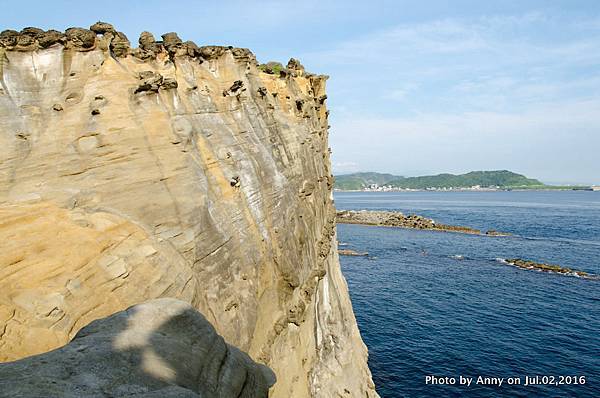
(147, 42)
(235, 182)
(51, 37)
(26, 43)
(171, 40)
(8, 38)
(192, 49)
(176, 47)
(151, 81)
(212, 52)
(236, 88)
(81, 38)
(168, 83)
(148, 47)
(119, 45)
(243, 54)
(159, 348)
(295, 67)
(30, 31)
(102, 28)
(103, 212)
(294, 64)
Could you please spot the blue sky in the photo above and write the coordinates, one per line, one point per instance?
(416, 87)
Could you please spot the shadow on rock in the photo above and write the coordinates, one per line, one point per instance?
(161, 348)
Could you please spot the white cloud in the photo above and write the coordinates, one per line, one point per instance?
(517, 92)
(345, 167)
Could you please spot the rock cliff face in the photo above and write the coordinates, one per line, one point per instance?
(162, 348)
(171, 170)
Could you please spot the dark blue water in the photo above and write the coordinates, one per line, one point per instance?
(423, 311)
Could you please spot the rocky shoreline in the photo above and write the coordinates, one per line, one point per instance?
(550, 268)
(397, 219)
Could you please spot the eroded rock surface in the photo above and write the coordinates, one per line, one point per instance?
(160, 348)
(111, 195)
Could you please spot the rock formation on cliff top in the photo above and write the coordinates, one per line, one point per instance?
(162, 348)
(171, 170)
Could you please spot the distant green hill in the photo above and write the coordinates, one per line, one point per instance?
(495, 178)
(356, 181)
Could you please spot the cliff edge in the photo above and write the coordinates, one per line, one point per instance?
(171, 170)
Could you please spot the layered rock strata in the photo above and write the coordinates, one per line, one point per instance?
(171, 170)
(162, 348)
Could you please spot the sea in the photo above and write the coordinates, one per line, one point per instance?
(436, 309)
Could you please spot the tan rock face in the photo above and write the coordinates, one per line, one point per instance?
(185, 173)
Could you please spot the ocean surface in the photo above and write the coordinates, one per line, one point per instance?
(442, 304)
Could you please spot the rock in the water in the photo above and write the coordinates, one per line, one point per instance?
(160, 348)
(550, 268)
(397, 219)
(350, 252)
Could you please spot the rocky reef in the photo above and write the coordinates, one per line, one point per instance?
(350, 252)
(551, 268)
(171, 170)
(162, 348)
(397, 219)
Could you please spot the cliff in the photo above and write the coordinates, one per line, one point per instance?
(171, 170)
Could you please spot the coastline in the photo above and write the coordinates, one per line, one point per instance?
(468, 190)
